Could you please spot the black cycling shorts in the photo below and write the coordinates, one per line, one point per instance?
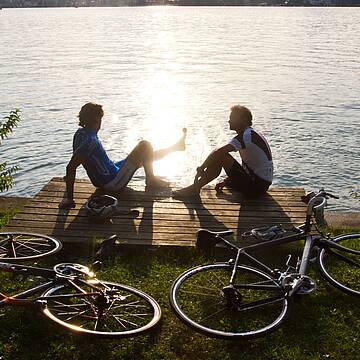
(245, 182)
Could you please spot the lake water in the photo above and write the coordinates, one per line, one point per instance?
(158, 69)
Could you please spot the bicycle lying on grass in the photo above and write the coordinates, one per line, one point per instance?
(234, 300)
(70, 294)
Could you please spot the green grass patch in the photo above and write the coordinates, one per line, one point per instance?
(6, 216)
(323, 325)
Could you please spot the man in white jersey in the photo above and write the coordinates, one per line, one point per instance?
(253, 177)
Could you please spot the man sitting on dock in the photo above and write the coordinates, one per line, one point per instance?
(103, 172)
(253, 177)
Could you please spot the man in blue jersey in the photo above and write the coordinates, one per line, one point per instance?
(253, 177)
(103, 172)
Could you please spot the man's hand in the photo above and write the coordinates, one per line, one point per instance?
(67, 204)
(199, 174)
(219, 186)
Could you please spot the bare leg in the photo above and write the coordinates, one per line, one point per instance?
(178, 146)
(214, 163)
(144, 155)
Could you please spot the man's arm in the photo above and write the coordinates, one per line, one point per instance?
(73, 164)
(220, 152)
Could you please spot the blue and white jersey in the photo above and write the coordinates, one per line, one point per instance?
(100, 169)
(255, 153)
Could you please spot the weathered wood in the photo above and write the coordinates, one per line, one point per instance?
(162, 219)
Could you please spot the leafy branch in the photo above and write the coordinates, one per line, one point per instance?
(6, 127)
(11, 121)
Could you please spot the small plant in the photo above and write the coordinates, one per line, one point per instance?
(6, 127)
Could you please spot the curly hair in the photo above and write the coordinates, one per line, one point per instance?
(243, 112)
(89, 113)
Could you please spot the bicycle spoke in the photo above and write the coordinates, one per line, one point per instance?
(13, 250)
(33, 242)
(212, 315)
(210, 289)
(4, 241)
(120, 322)
(17, 246)
(127, 321)
(199, 293)
(259, 303)
(112, 310)
(23, 245)
(221, 282)
(253, 305)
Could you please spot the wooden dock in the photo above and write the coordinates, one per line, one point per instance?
(162, 219)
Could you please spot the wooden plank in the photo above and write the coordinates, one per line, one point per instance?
(156, 209)
(162, 220)
(125, 202)
(207, 192)
(83, 183)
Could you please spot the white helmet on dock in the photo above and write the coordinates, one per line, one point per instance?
(101, 206)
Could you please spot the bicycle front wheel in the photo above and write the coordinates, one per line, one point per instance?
(18, 246)
(341, 266)
(254, 306)
(101, 309)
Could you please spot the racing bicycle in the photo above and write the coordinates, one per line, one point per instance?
(71, 295)
(244, 298)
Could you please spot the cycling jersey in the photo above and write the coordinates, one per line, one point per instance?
(255, 153)
(100, 169)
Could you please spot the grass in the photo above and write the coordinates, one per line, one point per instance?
(5, 216)
(324, 325)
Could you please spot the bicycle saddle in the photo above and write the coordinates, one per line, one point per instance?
(206, 239)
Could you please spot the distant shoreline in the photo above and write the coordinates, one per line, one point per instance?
(264, 4)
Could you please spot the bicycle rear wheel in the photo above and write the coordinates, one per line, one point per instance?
(254, 306)
(101, 309)
(341, 267)
(18, 246)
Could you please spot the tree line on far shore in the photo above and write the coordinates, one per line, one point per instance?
(89, 3)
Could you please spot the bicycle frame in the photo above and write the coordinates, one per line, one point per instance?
(303, 233)
(27, 270)
(247, 297)
(73, 298)
(243, 252)
(18, 299)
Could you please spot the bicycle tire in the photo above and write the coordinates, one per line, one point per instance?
(123, 312)
(341, 267)
(197, 297)
(22, 246)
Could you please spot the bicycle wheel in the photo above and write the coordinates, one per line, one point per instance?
(254, 306)
(341, 266)
(17, 246)
(101, 309)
